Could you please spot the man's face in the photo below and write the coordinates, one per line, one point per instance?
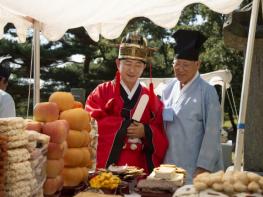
(185, 70)
(3, 83)
(130, 70)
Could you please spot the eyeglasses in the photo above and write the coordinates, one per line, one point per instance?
(183, 64)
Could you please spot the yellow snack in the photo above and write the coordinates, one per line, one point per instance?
(105, 180)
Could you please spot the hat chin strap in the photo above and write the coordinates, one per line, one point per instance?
(151, 88)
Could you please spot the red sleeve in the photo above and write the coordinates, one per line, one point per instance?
(101, 101)
(102, 106)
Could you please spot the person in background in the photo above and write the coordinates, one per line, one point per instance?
(121, 140)
(192, 111)
(7, 104)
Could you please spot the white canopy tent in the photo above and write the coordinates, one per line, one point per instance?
(108, 18)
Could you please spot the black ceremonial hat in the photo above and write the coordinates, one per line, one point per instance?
(188, 44)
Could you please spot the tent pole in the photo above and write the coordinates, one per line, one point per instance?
(36, 43)
(245, 86)
(223, 96)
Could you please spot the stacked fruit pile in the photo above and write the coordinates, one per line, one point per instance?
(47, 113)
(69, 152)
(77, 155)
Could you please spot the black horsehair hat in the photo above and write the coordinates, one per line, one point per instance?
(4, 69)
(188, 44)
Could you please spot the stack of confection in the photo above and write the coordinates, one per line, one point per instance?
(3, 154)
(77, 158)
(231, 183)
(163, 181)
(37, 147)
(18, 177)
(78, 155)
(57, 130)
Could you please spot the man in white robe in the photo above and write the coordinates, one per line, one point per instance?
(7, 104)
(192, 111)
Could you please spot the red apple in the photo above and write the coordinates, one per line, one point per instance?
(46, 112)
(56, 151)
(57, 130)
(52, 185)
(34, 125)
(54, 167)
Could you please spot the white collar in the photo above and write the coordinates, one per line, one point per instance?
(130, 93)
(190, 82)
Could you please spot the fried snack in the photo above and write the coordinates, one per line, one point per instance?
(199, 186)
(253, 177)
(260, 182)
(240, 187)
(241, 176)
(218, 187)
(215, 177)
(253, 187)
(228, 187)
(204, 178)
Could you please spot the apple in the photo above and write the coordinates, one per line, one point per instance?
(56, 151)
(54, 167)
(34, 125)
(57, 130)
(46, 112)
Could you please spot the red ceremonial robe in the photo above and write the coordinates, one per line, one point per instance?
(113, 114)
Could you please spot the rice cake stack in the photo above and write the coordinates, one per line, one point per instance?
(163, 181)
(17, 169)
(3, 154)
(37, 148)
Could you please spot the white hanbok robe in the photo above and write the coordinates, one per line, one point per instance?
(7, 105)
(192, 124)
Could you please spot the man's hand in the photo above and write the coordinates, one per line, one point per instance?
(136, 130)
(199, 171)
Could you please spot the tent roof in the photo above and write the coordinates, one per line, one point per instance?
(100, 17)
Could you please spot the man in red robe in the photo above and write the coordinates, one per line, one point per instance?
(121, 140)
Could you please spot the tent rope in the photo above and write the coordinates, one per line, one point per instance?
(235, 106)
(30, 78)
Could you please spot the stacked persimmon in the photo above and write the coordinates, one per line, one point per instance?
(68, 125)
